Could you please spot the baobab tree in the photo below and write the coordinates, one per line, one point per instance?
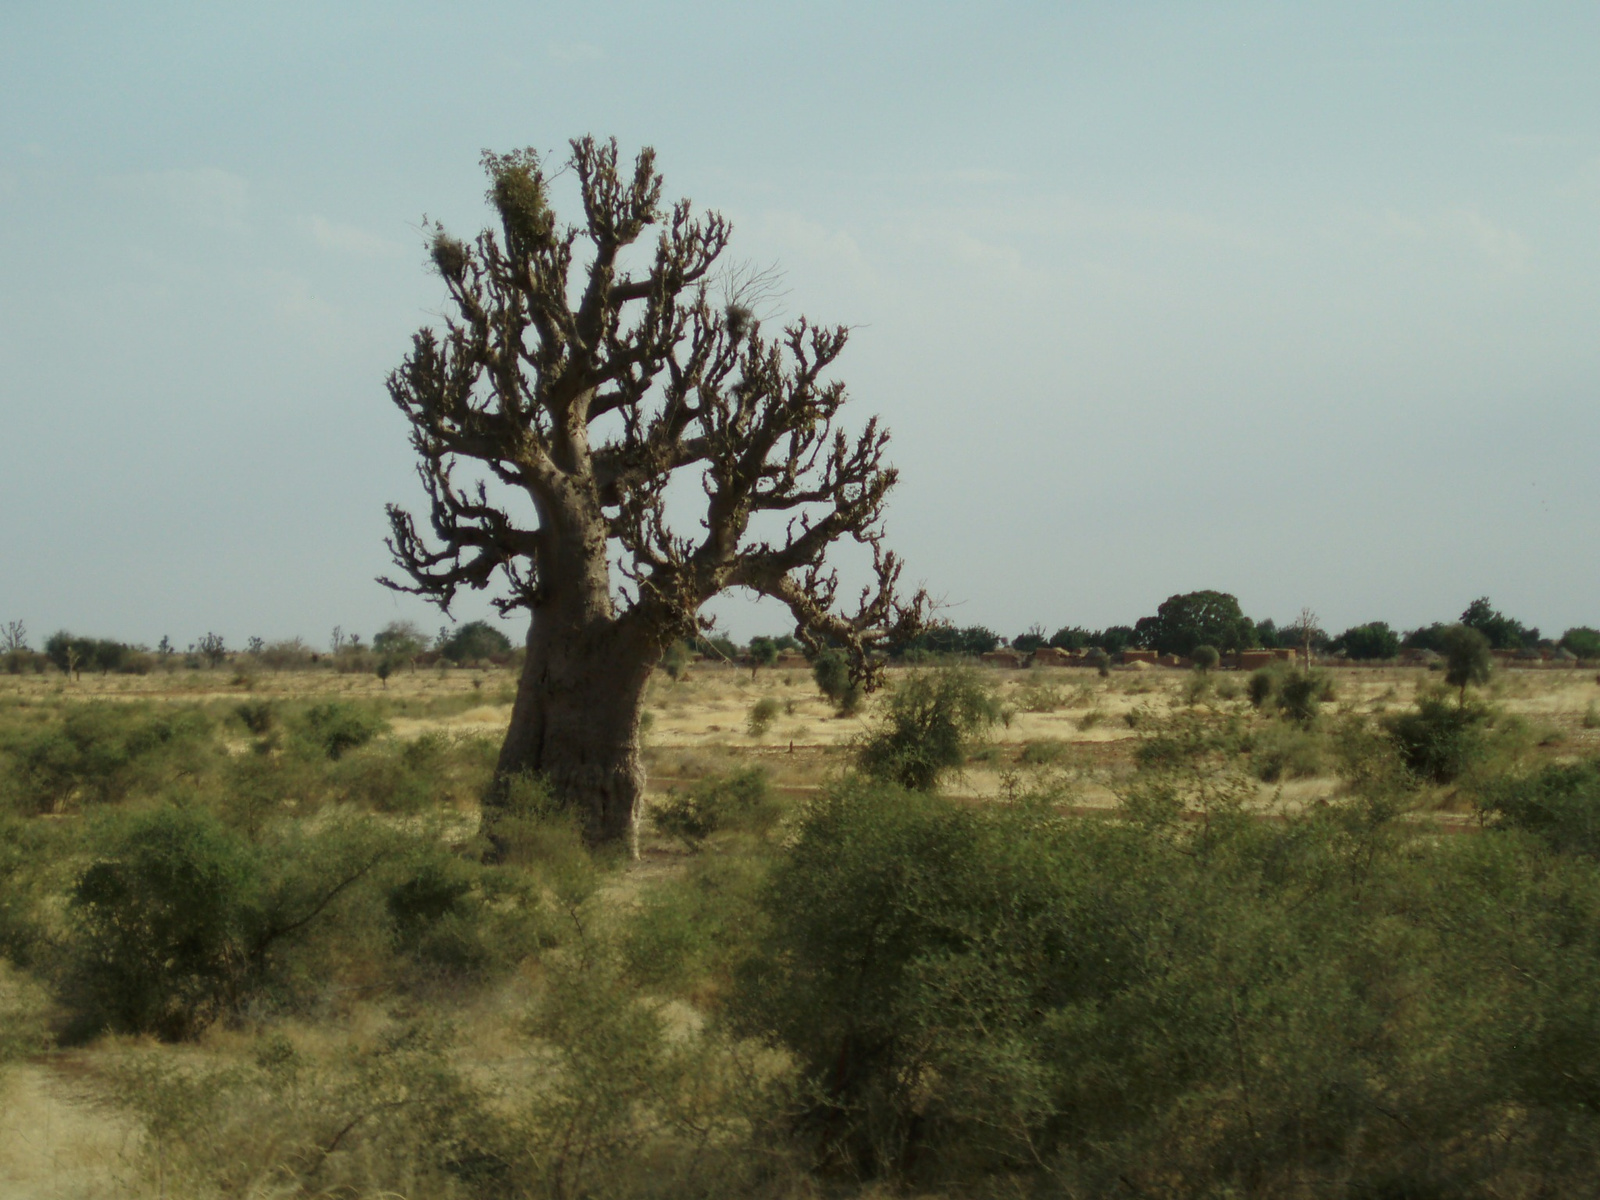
(566, 388)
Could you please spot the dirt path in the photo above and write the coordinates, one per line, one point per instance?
(57, 1142)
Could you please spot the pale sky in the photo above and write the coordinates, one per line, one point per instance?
(1296, 301)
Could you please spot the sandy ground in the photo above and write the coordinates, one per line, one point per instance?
(57, 1142)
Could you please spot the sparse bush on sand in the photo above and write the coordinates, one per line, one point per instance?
(929, 719)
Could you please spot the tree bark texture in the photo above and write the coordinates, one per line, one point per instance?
(575, 721)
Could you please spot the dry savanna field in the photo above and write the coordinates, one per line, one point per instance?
(1068, 721)
(319, 1084)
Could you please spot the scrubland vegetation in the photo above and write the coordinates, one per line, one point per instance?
(1045, 932)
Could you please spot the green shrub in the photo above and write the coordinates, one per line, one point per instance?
(338, 726)
(1439, 741)
(928, 721)
(258, 716)
(1263, 686)
(384, 1113)
(180, 919)
(1186, 739)
(165, 924)
(1301, 696)
(1040, 698)
(1559, 804)
(32, 855)
(689, 931)
(385, 778)
(457, 919)
(1041, 753)
(1205, 658)
(100, 753)
(741, 801)
(971, 993)
(1287, 752)
(762, 714)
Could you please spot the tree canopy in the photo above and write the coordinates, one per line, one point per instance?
(1193, 619)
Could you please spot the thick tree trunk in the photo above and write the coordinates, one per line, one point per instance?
(575, 721)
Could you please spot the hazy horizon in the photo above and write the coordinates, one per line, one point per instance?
(1296, 304)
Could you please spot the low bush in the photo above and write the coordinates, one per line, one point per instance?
(1042, 753)
(102, 753)
(382, 1115)
(337, 727)
(1318, 1006)
(929, 719)
(1440, 741)
(258, 716)
(688, 933)
(180, 919)
(1286, 751)
(1300, 696)
(741, 801)
(1263, 685)
(1041, 698)
(1558, 804)
(762, 714)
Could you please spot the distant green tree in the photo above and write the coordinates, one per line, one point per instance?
(73, 655)
(1374, 640)
(1467, 661)
(1582, 641)
(1030, 641)
(397, 644)
(1196, 618)
(1072, 637)
(1205, 658)
(764, 651)
(1503, 632)
(1425, 637)
(1268, 635)
(474, 642)
(213, 649)
(400, 640)
(717, 649)
(1114, 639)
(949, 640)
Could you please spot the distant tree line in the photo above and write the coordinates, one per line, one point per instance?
(1188, 621)
(1181, 625)
(398, 644)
